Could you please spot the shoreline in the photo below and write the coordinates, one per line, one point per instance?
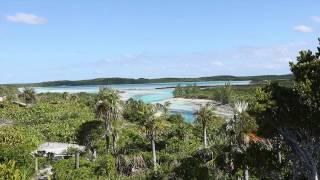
(209, 86)
(224, 111)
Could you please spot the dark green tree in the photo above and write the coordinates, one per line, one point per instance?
(294, 112)
(178, 91)
(29, 95)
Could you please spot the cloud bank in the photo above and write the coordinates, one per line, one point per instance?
(316, 19)
(231, 61)
(26, 18)
(303, 29)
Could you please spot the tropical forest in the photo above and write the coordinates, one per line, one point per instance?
(273, 132)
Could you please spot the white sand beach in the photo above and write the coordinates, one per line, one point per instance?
(184, 104)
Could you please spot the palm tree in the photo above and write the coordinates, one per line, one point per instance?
(163, 107)
(242, 125)
(205, 115)
(154, 125)
(108, 109)
(66, 96)
(166, 106)
(29, 95)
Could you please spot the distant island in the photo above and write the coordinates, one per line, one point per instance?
(117, 80)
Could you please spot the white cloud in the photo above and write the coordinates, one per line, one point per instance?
(254, 60)
(26, 18)
(303, 29)
(316, 18)
(216, 63)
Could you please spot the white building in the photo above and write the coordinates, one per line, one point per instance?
(56, 150)
(2, 98)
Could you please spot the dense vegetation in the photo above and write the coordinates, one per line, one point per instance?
(108, 81)
(274, 133)
(224, 94)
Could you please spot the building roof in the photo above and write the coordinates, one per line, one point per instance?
(57, 148)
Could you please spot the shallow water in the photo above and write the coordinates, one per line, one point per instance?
(145, 92)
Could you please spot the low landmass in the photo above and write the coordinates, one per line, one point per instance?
(116, 80)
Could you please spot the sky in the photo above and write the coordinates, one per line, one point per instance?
(46, 40)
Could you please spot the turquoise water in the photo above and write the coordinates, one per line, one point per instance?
(164, 95)
(149, 93)
(188, 116)
(157, 96)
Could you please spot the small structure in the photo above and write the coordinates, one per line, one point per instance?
(2, 98)
(56, 150)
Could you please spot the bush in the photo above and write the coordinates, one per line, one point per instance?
(105, 166)
(224, 94)
(9, 171)
(65, 170)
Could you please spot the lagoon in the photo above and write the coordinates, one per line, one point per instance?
(149, 93)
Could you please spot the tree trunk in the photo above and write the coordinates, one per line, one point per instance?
(94, 154)
(114, 144)
(107, 143)
(77, 163)
(304, 155)
(279, 153)
(107, 131)
(279, 157)
(205, 137)
(36, 168)
(315, 174)
(154, 154)
(246, 172)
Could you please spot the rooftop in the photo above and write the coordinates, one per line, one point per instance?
(57, 148)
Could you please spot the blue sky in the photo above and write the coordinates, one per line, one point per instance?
(56, 40)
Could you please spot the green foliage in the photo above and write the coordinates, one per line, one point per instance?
(56, 121)
(180, 91)
(293, 112)
(90, 133)
(91, 119)
(10, 92)
(132, 140)
(16, 143)
(28, 95)
(224, 94)
(154, 122)
(219, 93)
(135, 111)
(13, 136)
(205, 115)
(108, 109)
(192, 168)
(9, 171)
(105, 166)
(65, 170)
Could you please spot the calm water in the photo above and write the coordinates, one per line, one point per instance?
(145, 92)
